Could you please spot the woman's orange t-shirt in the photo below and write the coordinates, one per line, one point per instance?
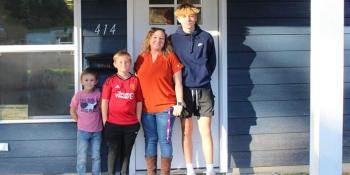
(156, 80)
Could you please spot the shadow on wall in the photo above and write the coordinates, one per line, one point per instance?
(244, 116)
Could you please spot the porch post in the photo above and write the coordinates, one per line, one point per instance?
(326, 78)
(223, 86)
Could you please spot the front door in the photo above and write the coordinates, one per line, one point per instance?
(160, 13)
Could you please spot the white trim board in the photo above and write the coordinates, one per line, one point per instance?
(223, 112)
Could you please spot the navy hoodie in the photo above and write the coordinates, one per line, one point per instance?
(196, 51)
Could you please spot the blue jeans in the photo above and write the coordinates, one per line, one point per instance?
(83, 140)
(155, 127)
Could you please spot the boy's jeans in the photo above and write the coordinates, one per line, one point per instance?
(155, 130)
(83, 140)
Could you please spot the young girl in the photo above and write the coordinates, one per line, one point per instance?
(84, 108)
(121, 112)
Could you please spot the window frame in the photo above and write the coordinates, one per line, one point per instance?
(75, 48)
(174, 5)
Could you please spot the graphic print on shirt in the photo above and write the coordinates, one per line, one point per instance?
(88, 105)
(125, 95)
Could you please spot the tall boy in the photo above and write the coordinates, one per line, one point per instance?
(195, 48)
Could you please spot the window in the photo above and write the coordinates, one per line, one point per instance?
(37, 56)
(161, 12)
(32, 22)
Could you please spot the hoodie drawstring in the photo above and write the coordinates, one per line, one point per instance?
(194, 93)
(192, 43)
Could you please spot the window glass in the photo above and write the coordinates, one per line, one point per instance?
(189, 1)
(44, 82)
(161, 15)
(161, 1)
(30, 22)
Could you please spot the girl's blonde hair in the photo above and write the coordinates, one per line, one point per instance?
(146, 48)
(120, 54)
(186, 9)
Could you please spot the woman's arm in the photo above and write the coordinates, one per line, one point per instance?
(179, 92)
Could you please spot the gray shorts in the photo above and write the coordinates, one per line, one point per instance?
(199, 101)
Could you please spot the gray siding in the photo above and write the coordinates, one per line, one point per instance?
(268, 86)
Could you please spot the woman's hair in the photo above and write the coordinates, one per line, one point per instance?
(90, 71)
(186, 9)
(146, 48)
(120, 54)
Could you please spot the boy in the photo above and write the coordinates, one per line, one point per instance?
(121, 112)
(195, 48)
(85, 109)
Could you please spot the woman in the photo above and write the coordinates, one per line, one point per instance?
(159, 72)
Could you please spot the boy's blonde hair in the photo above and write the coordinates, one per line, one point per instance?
(186, 9)
(121, 53)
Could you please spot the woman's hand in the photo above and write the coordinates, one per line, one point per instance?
(177, 110)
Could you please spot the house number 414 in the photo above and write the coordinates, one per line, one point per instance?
(104, 29)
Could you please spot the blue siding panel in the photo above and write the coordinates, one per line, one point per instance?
(269, 158)
(265, 9)
(103, 44)
(42, 165)
(48, 148)
(40, 148)
(279, 141)
(268, 76)
(38, 131)
(269, 92)
(106, 9)
(258, 43)
(268, 125)
(269, 108)
(272, 59)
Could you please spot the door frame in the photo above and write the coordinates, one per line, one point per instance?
(222, 70)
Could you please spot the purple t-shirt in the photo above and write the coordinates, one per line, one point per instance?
(88, 110)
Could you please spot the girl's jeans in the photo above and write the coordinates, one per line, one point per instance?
(155, 127)
(83, 140)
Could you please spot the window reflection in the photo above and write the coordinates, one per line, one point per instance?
(43, 81)
(36, 22)
(161, 15)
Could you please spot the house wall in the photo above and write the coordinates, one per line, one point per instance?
(346, 126)
(50, 148)
(268, 70)
(269, 82)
